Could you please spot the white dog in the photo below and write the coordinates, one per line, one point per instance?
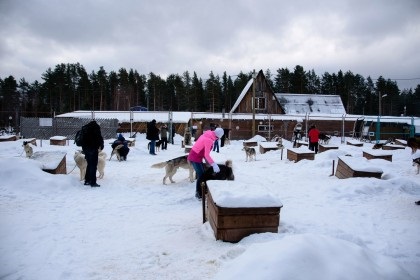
(81, 163)
(28, 149)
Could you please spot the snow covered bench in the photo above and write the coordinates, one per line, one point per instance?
(52, 162)
(299, 154)
(348, 167)
(268, 146)
(323, 148)
(236, 211)
(376, 154)
(58, 140)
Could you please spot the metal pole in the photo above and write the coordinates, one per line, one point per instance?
(253, 103)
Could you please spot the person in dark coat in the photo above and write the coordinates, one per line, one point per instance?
(125, 149)
(152, 134)
(93, 142)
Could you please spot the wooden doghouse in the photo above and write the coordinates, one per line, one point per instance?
(268, 146)
(236, 211)
(354, 143)
(348, 167)
(393, 147)
(299, 154)
(52, 162)
(58, 140)
(377, 154)
(250, 143)
(5, 138)
(323, 148)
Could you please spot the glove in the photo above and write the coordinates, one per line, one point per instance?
(216, 168)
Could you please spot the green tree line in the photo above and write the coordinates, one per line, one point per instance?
(68, 87)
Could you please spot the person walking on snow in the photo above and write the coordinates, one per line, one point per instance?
(201, 150)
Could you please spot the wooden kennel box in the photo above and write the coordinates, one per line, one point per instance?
(393, 147)
(52, 162)
(323, 148)
(268, 146)
(348, 167)
(232, 222)
(250, 143)
(58, 140)
(377, 155)
(354, 143)
(299, 154)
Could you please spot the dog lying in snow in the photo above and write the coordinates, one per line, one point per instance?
(81, 163)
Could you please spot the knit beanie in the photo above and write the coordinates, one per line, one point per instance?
(219, 132)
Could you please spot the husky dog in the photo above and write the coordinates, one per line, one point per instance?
(116, 152)
(172, 165)
(81, 162)
(158, 143)
(28, 149)
(187, 137)
(416, 162)
(324, 138)
(250, 153)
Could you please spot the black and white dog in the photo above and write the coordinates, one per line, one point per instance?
(226, 173)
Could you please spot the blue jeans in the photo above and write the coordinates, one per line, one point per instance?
(216, 146)
(152, 147)
(199, 170)
(91, 156)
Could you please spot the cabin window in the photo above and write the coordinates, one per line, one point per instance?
(265, 128)
(260, 103)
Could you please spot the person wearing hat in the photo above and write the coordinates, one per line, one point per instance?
(201, 150)
(152, 134)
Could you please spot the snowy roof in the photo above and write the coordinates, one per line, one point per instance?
(241, 96)
(184, 117)
(293, 103)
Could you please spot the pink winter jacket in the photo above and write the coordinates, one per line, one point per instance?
(201, 149)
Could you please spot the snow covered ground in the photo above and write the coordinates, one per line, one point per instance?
(133, 227)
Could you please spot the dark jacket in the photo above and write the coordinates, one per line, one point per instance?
(93, 138)
(152, 132)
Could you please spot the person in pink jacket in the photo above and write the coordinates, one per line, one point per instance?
(201, 150)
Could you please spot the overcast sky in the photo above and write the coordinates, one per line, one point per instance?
(372, 38)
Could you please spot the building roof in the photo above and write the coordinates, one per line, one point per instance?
(293, 103)
(241, 96)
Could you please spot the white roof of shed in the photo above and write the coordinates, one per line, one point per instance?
(293, 103)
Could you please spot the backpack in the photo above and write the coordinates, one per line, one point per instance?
(80, 135)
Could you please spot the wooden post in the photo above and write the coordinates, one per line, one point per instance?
(281, 157)
(203, 200)
(332, 174)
